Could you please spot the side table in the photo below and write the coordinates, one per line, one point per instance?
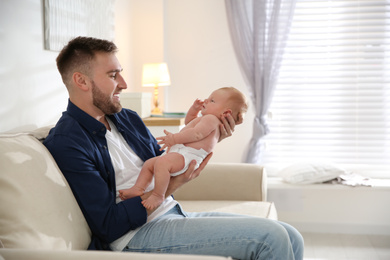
(157, 125)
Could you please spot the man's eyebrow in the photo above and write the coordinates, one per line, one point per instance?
(116, 70)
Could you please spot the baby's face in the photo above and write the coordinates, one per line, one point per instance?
(216, 103)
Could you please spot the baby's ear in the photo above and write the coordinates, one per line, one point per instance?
(228, 111)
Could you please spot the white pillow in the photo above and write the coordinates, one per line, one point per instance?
(38, 209)
(308, 173)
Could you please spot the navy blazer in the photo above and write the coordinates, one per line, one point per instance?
(79, 147)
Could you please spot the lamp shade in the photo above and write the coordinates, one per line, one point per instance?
(155, 74)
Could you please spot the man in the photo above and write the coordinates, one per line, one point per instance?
(101, 147)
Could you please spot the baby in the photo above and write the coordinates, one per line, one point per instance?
(194, 142)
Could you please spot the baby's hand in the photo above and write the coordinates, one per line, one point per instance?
(166, 141)
(197, 105)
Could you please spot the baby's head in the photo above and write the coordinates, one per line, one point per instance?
(227, 100)
(237, 103)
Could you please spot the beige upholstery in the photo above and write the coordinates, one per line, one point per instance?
(40, 218)
(220, 181)
(38, 209)
(252, 208)
(228, 187)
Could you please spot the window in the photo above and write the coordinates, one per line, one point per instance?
(332, 100)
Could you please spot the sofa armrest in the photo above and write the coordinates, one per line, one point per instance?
(227, 181)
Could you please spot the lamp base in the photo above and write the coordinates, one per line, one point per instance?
(156, 111)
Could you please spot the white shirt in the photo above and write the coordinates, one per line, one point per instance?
(127, 166)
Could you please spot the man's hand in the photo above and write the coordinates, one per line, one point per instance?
(228, 125)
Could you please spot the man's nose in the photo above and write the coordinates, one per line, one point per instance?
(122, 83)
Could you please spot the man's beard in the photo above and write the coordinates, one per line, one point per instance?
(104, 102)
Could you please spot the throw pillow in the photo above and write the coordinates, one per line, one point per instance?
(308, 173)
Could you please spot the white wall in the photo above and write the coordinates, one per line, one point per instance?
(31, 90)
(139, 37)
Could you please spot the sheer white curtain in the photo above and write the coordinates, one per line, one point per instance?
(259, 30)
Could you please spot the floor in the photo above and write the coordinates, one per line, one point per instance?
(346, 246)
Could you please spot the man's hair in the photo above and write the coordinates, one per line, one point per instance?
(237, 102)
(78, 54)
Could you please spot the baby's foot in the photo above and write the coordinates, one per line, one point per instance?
(153, 201)
(130, 193)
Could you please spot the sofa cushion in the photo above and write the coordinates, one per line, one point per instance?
(260, 209)
(38, 209)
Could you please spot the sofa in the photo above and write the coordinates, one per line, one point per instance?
(40, 218)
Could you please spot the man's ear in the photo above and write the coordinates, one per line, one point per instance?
(81, 81)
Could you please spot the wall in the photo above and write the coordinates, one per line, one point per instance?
(32, 94)
(124, 39)
(139, 37)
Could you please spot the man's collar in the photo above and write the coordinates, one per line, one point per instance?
(85, 120)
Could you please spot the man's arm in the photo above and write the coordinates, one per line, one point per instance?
(92, 185)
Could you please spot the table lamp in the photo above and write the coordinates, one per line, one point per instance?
(155, 75)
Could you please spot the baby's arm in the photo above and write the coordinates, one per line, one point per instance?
(193, 111)
(206, 125)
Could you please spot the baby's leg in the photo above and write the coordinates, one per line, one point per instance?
(144, 179)
(164, 166)
(131, 192)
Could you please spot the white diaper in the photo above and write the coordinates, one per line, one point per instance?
(189, 155)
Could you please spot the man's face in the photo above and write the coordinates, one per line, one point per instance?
(107, 83)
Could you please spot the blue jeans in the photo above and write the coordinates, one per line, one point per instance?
(222, 234)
